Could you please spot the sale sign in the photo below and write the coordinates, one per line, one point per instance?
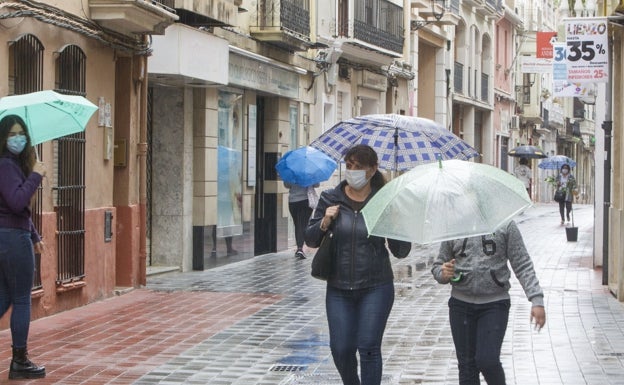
(544, 44)
(587, 44)
(562, 85)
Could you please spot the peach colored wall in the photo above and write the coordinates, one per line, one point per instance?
(130, 271)
(99, 268)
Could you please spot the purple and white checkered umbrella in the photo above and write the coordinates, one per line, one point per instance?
(401, 142)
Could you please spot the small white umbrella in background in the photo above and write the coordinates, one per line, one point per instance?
(448, 199)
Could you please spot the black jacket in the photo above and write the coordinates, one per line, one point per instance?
(359, 261)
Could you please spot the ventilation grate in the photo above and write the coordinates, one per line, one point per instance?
(288, 368)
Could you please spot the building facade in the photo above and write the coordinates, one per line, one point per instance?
(90, 207)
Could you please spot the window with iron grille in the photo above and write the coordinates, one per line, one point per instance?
(25, 76)
(69, 190)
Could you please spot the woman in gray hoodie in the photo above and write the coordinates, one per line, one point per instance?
(478, 270)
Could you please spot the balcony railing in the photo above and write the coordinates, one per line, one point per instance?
(380, 23)
(375, 36)
(284, 14)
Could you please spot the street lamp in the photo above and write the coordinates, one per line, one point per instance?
(437, 15)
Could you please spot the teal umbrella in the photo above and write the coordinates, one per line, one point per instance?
(445, 200)
(48, 114)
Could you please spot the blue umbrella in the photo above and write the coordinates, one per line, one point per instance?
(401, 142)
(555, 162)
(305, 166)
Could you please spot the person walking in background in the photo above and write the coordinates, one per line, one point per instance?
(20, 176)
(360, 288)
(477, 269)
(300, 211)
(567, 183)
(523, 172)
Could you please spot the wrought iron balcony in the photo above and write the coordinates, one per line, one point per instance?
(372, 35)
(285, 23)
(131, 17)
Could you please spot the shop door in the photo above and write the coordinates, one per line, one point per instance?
(265, 203)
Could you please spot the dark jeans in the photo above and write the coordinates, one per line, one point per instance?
(17, 267)
(357, 320)
(478, 332)
(300, 212)
(568, 208)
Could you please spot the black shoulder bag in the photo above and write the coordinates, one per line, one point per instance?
(321, 263)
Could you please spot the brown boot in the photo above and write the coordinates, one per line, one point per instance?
(22, 367)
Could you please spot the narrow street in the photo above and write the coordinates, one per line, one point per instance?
(262, 321)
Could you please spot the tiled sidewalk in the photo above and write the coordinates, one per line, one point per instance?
(262, 321)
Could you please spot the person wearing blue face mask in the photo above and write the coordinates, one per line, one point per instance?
(20, 176)
(360, 288)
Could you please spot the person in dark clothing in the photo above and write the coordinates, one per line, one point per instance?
(360, 287)
(566, 182)
(20, 176)
(300, 211)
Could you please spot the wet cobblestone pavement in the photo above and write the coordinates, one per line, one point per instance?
(262, 321)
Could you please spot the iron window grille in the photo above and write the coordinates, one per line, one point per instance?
(25, 76)
(69, 192)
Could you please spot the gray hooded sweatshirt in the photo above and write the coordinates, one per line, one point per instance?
(482, 262)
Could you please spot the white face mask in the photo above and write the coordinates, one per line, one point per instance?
(356, 178)
(564, 171)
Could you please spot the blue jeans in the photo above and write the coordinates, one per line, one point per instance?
(17, 266)
(478, 332)
(357, 320)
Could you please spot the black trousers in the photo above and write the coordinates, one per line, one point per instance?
(300, 212)
(568, 208)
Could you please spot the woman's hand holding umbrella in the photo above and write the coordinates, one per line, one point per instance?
(40, 168)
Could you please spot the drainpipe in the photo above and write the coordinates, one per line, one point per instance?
(142, 166)
(607, 126)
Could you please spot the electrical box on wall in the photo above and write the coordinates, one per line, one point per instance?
(120, 153)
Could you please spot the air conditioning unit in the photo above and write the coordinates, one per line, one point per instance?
(515, 123)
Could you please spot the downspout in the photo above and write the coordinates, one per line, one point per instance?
(607, 126)
(142, 166)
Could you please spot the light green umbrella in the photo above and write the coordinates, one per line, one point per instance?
(445, 200)
(48, 114)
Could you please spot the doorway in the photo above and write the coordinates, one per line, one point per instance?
(265, 207)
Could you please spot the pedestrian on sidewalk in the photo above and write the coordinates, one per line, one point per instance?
(20, 177)
(300, 211)
(567, 183)
(360, 288)
(477, 269)
(523, 173)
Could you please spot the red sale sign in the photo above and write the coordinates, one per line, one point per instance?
(544, 44)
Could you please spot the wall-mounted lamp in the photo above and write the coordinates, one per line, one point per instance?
(437, 15)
